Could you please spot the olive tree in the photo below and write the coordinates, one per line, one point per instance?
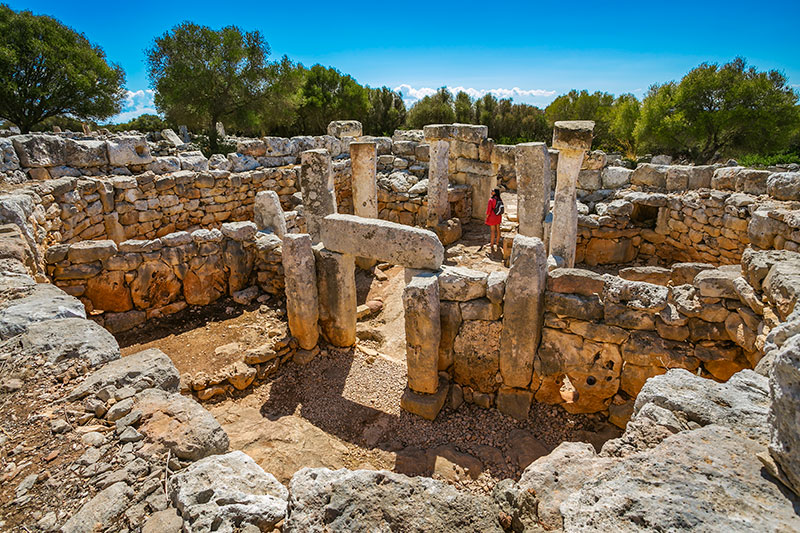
(49, 70)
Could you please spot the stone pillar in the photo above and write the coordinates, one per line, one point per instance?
(423, 331)
(302, 303)
(316, 183)
(572, 139)
(532, 163)
(268, 213)
(438, 204)
(364, 160)
(336, 282)
(184, 131)
(523, 310)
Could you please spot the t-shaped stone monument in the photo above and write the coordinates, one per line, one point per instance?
(572, 139)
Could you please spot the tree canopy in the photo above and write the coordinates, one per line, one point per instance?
(49, 70)
(202, 76)
(329, 95)
(718, 111)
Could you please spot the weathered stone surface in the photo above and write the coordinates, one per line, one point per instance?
(362, 500)
(690, 481)
(178, 424)
(717, 283)
(575, 280)
(101, 511)
(781, 185)
(205, 284)
(650, 175)
(145, 369)
(85, 153)
(155, 285)
(514, 402)
(268, 214)
(194, 161)
(423, 331)
(222, 492)
(616, 177)
(382, 240)
(302, 300)
(476, 354)
(345, 128)
(108, 292)
(574, 306)
(741, 404)
(364, 158)
(532, 164)
(64, 340)
(130, 150)
(784, 445)
(648, 349)
(782, 286)
(523, 310)
(37, 150)
(336, 287)
(450, 320)
(481, 309)
(316, 183)
(425, 405)
(461, 284)
(683, 273)
(44, 302)
(648, 274)
(438, 204)
(496, 286)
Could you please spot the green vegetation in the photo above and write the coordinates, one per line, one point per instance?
(142, 123)
(49, 70)
(753, 160)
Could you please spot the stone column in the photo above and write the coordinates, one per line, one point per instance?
(423, 331)
(268, 213)
(523, 310)
(302, 303)
(336, 282)
(532, 164)
(438, 204)
(572, 139)
(316, 183)
(364, 160)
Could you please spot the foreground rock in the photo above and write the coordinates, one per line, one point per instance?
(366, 501)
(224, 492)
(703, 480)
(142, 370)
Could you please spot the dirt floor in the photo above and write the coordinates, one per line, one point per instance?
(343, 408)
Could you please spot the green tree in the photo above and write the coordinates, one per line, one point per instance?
(330, 95)
(387, 112)
(434, 109)
(281, 100)
(719, 111)
(49, 70)
(582, 105)
(622, 121)
(143, 123)
(465, 112)
(202, 76)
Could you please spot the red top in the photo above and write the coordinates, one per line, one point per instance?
(491, 218)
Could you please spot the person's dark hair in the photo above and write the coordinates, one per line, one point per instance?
(496, 193)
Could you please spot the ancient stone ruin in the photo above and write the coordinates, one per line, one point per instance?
(659, 299)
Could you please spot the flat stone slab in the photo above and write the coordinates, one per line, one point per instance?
(425, 405)
(385, 241)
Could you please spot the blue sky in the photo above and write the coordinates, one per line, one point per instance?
(530, 51)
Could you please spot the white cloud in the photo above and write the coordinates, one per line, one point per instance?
(136, 103)
(411, 94)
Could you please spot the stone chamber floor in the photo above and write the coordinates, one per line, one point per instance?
(343, 408)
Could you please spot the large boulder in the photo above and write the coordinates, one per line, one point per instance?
(43, 302)
(142, 370)
(741, 404)
(38, 150)
(178, 424)
(703, 480)
(225, 492)
(362, 500)
(129, 150)
(101, 511)
(63, 340)
(784, 185)
(82, 154)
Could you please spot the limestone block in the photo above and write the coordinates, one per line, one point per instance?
(316, 183)
(514, 402)
(616, 177)
(496, 286)
(590, 180)
(425, 405)
(461, 284)
(302, 302)
(438, 181)
(9, 160)
(242, 162)
(171, 137)
(717, 283)
(108, 292)
(423, 332)
(481, 309)
(468, 132)
(336, 285)
(385, 241)
(251, 147)
(84, 154)
(573, 135)
(648, 274)
(345, 128)
(532, 165)
(207, 283)
(782, 185)
(194, 161)
(523, 309)
(649, 175)
(576, 280)
(89, 251)
(268, 213)
(363, 156)
(476, 355)
(129, 150)
(450, 319)
(37, 150)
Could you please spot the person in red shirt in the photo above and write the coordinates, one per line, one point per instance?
(494, 215)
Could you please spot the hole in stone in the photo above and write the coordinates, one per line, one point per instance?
(591, 380)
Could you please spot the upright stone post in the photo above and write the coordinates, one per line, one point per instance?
(572, 139)
(316, 184)
(336, 282)
(268, 213)
(523, 310)
(438, 204)
(532, 164)
(302, 303)
(364, 161)
(184, 131)
(423, 331)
